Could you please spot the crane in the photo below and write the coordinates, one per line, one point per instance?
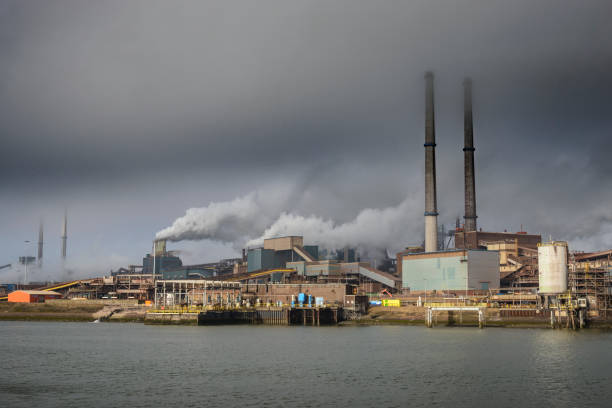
(5, 266)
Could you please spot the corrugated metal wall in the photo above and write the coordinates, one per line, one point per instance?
(451, 272)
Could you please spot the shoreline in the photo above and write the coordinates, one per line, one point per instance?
(377, 316)
(364, 322)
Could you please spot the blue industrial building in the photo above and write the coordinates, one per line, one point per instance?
(451, 270)
(162, 262)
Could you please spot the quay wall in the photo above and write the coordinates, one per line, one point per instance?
(272, 316)
(171, 318)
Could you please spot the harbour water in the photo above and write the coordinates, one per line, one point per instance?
(112, 364)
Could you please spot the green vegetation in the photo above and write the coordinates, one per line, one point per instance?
(6, 307)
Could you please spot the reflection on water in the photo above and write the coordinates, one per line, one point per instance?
(77, 364)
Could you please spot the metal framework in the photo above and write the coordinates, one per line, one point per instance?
(195, 293)
(592, 284)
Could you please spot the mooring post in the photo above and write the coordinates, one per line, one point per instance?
(552, 319)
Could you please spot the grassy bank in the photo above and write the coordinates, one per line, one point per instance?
(48, 312)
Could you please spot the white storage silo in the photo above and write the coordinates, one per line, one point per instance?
(552, 265)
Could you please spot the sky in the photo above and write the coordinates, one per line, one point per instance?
(291, 116)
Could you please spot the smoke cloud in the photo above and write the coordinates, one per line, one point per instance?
(244, 221)
(371, 229)
(228, 221)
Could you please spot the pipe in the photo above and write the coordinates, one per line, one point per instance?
(431, 208)
(468, 153)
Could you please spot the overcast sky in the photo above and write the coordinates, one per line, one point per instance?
(129, 113)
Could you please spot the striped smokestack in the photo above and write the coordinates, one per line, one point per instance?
(64, 234)
(468, 154)
(431, 207)
(40, 243)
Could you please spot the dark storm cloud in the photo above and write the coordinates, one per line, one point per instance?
(325, 95)
(107, 86)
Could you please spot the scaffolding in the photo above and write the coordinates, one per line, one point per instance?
(195, 293)
(592, 284)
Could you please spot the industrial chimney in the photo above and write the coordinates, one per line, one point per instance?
(431, 208)
(40, 243)
(64, 234)
(468, 153)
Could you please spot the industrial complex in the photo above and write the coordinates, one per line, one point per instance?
(289, 280)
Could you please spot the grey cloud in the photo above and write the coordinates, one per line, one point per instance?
(103, 97)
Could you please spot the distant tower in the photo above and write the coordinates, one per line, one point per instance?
(468, 153)
(40, 243)
(64, 234)
(431, 207)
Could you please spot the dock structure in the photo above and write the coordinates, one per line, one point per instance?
(276, 316)
(430, 316)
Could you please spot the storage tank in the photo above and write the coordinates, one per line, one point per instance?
(552, 265)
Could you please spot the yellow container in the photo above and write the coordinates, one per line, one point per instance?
(391, 302)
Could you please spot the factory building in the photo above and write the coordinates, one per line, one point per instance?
(518, 265)
(276, 252)
(601, 259)
(188, 272)
(480, 239)
(451, 270)
(160, 263)
(161, 259)
(287, 259)
(32, 296)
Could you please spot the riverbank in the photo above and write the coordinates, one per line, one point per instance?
(494, 317)
(72, 311)
(81, 311)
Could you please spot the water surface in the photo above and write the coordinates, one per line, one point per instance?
(113, 364)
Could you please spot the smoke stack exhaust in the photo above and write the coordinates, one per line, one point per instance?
(64, 234)
(468, 153)
(431, 206)
(40, 243)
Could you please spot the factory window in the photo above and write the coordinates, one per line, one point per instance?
(484, 285)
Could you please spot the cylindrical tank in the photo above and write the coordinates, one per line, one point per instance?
(552, 265)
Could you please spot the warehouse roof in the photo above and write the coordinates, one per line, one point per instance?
(39, 292)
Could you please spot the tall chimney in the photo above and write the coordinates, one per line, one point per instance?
(431, 208)
(64, 234)
(468, 153)
(40, 243)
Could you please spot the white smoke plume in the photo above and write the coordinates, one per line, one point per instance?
(371, 229)
(246, 220)
(219, 221)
